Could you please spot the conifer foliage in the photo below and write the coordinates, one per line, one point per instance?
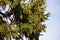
(24, 18)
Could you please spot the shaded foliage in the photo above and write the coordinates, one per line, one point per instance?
(28, 18)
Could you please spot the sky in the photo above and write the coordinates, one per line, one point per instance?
(6, 9)
(53, 24)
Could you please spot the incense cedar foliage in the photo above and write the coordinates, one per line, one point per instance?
(27, 19)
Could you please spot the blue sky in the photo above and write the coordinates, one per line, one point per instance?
(53, 24)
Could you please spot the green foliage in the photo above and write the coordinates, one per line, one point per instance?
(32, 14)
